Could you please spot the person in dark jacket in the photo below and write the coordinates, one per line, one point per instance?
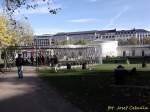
(32, 60)
(43, 60)
(19, 64)
(120, 74)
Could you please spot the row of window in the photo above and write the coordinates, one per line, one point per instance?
(133, 35)
(42, 42)
(133, 53)
(117, 36)
(109, 35)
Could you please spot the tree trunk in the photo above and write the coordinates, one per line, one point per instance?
(5, 59)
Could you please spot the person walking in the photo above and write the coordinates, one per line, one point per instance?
(54, 63)
(19, 64)
(43, 60)
(32, 60)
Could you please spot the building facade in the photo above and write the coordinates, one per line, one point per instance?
(105, 48)
(137, 33)
(133, 50)
(44, 40)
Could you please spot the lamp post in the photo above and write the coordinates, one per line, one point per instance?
(36, 57)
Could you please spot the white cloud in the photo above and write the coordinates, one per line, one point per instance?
(83, 20)
(117, 16)
(93, 0)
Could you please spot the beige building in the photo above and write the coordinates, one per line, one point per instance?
(134, 50)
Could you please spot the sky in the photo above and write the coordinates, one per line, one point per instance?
(85, 15)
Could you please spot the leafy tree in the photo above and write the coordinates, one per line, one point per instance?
(130, 41)
(24, 33)
(12, 5)
(7, 37)
(12, 35)
(64, 42)
(13, 32)
(146, 40)
(81, 42)
(122, 42)
(133, 41)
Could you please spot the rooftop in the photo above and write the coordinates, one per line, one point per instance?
(95, 31)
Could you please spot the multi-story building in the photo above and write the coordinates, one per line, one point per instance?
(44, 40)
(133, 50)
(106, 34)
(88, 35)
(137, 33)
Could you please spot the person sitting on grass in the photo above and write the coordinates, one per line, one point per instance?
(120, 74)
(133, 71)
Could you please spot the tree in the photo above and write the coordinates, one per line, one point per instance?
(81, 42)
(130, 41)
(64, 42)
(11, 6)
(7, 37)
(146, 40)
(24, 33)
(133, 41)
(122, 42)
(12, 35)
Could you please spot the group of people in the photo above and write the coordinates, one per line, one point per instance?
(53, 62)
(120, 74)
(39, 59)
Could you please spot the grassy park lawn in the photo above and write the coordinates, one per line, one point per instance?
(93, 90)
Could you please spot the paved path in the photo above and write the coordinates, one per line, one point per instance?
(30, 95)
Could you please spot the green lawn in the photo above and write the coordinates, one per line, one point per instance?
(1, 61)
(91, 90)
(111, 67)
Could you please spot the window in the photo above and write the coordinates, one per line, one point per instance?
(133, 52)
(143, 53)
(124, 53)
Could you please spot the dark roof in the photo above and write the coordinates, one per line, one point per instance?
(76, 33)
(134, 46)
(107, 31)
(42, 36)
(95, 31)
(133, 31)
(86, 32)
(141, 31)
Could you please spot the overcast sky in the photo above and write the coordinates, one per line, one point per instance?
(84, 15)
